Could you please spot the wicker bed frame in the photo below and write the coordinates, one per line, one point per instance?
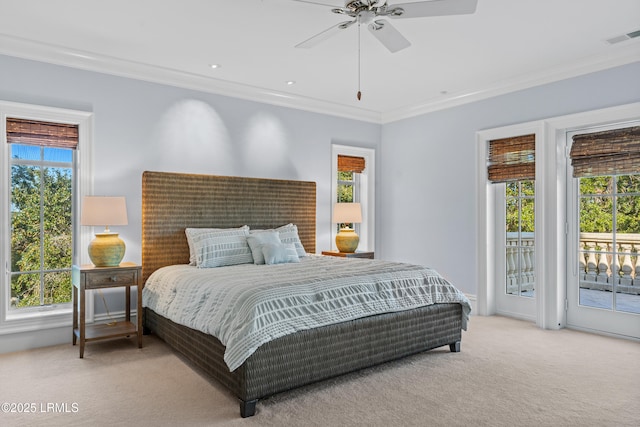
(171, 202)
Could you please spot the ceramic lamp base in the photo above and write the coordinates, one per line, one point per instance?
(347, 240)
(106, 250)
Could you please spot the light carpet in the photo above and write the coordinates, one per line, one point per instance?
(509, 373)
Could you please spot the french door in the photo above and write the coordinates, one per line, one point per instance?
(603, 245)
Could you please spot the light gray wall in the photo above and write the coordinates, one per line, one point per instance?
(142, 126)
(426, 191)
(428, 167)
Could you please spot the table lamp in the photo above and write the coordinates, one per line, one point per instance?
(347, 213)
(107, 249)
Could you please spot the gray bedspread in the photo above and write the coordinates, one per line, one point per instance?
(247, 305)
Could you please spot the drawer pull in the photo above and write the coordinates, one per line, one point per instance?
(114, 278)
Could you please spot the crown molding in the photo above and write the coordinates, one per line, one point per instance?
(586, 66)
(54, 54)
(58, 55)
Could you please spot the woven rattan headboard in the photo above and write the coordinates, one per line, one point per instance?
(172, 202)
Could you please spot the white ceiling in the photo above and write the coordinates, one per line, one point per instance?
(506, 45)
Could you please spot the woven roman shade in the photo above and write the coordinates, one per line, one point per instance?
(33, 132)
(350, 164)
(512, 159)
(610, 152)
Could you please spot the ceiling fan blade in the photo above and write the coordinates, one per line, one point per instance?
(388, 35)
(318, 3)
(324, 35)
(434, 8)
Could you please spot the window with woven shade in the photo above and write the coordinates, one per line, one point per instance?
(353, 181)
(606, 165)
(512, 159)
(41, 160)
(46, 166)
(511, 162)
(610, 152)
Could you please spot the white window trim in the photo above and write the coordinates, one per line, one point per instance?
(367, 193)
(45, 318)
(551, 210)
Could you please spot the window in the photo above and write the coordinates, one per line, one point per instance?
(41, 157)
(520, 238)
(512, 161)
(349, 170)
(353, 181)
(40, 182)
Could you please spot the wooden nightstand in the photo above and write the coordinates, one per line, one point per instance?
(91, 277)
(356, 254)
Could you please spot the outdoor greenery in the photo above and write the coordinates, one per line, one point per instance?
(345, 187)
(596, 204)
(40, 192)
(520, 193)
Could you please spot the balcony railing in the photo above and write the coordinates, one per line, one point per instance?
(600, 267)
(520, 263)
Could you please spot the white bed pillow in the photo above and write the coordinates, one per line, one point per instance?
(257, 239)
(191, 232)
(218, 248)
(289, 234)
(280, 253)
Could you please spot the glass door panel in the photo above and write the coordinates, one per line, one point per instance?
(606, 287)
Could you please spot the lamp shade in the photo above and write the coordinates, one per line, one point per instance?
(107, 249)
(102, 210)
(347, 213)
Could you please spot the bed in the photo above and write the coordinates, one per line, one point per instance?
(172, 202)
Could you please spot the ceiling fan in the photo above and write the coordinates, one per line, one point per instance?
(369, 12)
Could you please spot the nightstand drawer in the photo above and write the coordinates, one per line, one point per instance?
(113, 278)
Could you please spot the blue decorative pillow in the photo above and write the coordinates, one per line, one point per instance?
(259, 238)
(289, 234)
(279, 253)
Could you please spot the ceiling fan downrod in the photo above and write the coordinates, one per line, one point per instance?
(359, 94)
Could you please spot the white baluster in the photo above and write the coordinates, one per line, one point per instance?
(627, 267)
(532, 264)
(636, 274)
(614, 268)
(592, 264)
(582, 262)
(526, 262)
(603, 265)
(512, 284)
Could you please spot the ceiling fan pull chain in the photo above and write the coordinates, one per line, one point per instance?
(359, 95)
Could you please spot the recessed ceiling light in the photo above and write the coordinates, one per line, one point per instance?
(214, 66)
(291, 82)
